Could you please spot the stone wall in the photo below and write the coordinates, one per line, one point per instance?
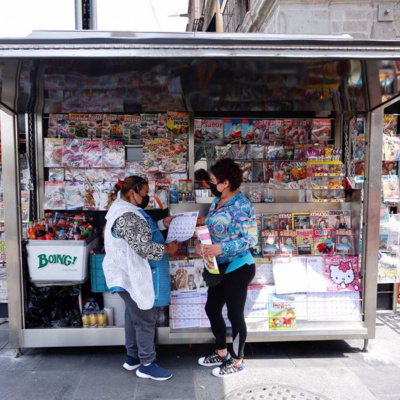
(358, 18)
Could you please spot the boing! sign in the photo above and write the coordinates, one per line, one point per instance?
(63, 259)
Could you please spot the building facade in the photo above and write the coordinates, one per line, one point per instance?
(361, 19)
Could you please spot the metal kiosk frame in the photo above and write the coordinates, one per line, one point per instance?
(53, 45)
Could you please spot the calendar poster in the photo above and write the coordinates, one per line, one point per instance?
(182, 227)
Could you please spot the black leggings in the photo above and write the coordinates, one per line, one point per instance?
(232, 291)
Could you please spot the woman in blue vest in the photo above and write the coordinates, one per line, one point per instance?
(136, 267)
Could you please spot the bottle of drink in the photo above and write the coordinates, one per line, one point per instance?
(31, 231)
(62, 235)
(75, 232)
(39, 232)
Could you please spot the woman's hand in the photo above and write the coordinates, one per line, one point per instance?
(167, 221)
(197, 250)
(212, 250)
(171, 248)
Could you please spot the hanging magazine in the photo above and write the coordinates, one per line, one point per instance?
(390, 188)
(342, 273)
(74, 196)
(288, 242)
(53, 152)
(72, 155)
(113, 154)
(282, 315)
(54, 195)
(344, 241)
(178, 125)
(93, 153)
(305, 241)
(270, 242)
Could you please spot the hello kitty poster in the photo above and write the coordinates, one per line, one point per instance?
(342, 274)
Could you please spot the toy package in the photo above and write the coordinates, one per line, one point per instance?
(301, 221)
(319, 220)
(288, 242)
(93, 153)
(282, 315)
(53, 151)
(270, 242)
(178, 125)
(342, 273)
(72, 154)
(323, 242)
(232, 130)
(305, 241)
(344, 241)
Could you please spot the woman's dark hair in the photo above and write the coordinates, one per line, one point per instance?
(131, 182)
(227, 169)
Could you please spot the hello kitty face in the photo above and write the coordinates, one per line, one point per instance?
(342, 274)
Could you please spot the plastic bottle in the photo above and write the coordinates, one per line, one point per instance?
(62, 235)
(76, 235)
(39, 232)
(30, 230)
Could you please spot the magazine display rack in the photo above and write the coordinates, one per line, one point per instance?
(207, 81)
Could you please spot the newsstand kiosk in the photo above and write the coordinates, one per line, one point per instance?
(275, 86)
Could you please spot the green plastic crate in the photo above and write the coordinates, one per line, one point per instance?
(97, 278)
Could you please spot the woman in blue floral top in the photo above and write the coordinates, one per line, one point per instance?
(233, 228)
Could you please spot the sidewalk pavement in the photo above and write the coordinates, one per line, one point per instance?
(329, 370)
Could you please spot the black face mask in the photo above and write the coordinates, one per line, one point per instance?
(214, 190)
(145, 202)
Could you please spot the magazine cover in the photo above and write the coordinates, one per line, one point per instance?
(148, 125)
(390, 167)
(74, 196)
(131, 129)
(270, 222)
(344, 241)
(72, 154)
(56, 174)
(285, 221)
(305, 241)
(270, 242)
(186, 275)
(256, 251)
(288, 242)
(212, 131)
(53, 151)
(358, 126)
(342, 273)
(301, 221)
(388, 268)
(298, 171)
(198, 130)
(256, 152)
(240, 152)
(258, 172)
(279, 131)
(391, 148)
(62, 126)
(288, 153)
(54, 195)
(282, 315)
(246, 167)
(178, 125)
(275, 152)
(323, 242)
(304, 130)
(390, 188)
(203, 234)
(319, 220)
(282, 171)
(269, 168)
(93, 153)
(95, 125)
(232, 130)
(249, 131)
(78, 175)
(266, 129)
(389, 236)
(300, 153)
(289, 127)
(113, 154)
(340, 219)
(359, 148)
(390, 124)
(321, 130)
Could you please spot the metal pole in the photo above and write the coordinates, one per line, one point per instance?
(78, 15)
(93, 14)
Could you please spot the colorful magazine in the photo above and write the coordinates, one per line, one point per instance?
(319, 220)
(270, 222)
(232, 130)
(288, 242)
(285, 221)
(56, 174)
(305, 242)
(54, 195)
(178, 125)
(282, 171)
(340, 219)
(53, 150)
(280, 130)
(113, 154)
(148, 125)
(304, 130)
(321, 130)
(359, 148)
(390, 188)
(269, 168)
(266, 130)
(72, 154)
(301, 221)
(390, 167)
(323, 242)
(131, 129)
(390, 124)
(289, 127)
(95, 125)
(270, 242)
(248, 131)
(74, 196)
(344, 241)
(342, 273)
(275, 152)
(240, 152)
(298, 171)
(212, 131)
(93, 153)
(282, 315)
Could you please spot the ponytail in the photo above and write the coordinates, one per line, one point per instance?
(113, 195)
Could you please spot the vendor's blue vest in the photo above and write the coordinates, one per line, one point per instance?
(159, 269)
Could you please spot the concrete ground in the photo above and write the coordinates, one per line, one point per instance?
(333, 370)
